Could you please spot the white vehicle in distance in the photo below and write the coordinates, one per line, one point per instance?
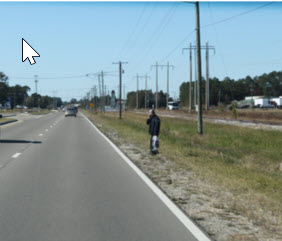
(173, 105)
(70, 112)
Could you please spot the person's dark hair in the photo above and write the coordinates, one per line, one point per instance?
(152, 111)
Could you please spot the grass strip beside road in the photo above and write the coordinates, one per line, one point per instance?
(240, 159)
(41, 112)
(3, 120)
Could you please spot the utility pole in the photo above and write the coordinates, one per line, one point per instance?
(156, 94)
(195, 82)
(99, 82)
(146, 77)
(121, 71)
(156, 97)
(199, 74)
(190, 84)
(167, 83)
(103, 92)
(145, 104)
(124, 96)
(207, 48)
(156, 101)
(95, 98)
(137, 80)
(207, 75)
(36, 96)
(102, 77)
(36, 81)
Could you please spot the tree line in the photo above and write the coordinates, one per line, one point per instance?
(18, 96)
(227, 90)
(131, 102)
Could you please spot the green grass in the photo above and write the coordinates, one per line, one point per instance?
(243, 160)
(41, 112)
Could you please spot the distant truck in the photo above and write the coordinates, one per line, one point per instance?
(261, 102)
(173, 105)
(277, 101)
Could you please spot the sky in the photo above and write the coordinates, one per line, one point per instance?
(79, 38)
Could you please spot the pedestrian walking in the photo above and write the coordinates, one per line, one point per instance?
(154, 123)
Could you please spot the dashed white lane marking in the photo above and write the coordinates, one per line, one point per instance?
(51, 126)
(40, 134)
(46, 129)
(16, 155)
(38, 117)
(189, 224)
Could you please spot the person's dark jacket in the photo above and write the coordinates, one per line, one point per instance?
(154, 125)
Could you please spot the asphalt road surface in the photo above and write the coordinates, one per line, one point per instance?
(60, 180)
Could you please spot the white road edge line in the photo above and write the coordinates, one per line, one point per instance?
(196, 231)
(16, 155)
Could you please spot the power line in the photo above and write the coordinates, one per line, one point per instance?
(59, 77)
(218, 42)
(132, 32)
(237, 15)
(178, 45)
(158, 31)
(144, 25)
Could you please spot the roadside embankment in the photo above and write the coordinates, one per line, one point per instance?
(229, 180)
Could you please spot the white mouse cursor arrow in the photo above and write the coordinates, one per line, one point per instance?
(28, 52)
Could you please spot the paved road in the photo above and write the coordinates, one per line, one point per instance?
(60, 180)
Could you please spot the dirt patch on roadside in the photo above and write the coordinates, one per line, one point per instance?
(215, 209)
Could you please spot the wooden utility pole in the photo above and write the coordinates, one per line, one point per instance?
(137, 80)
(145, 104)
(207, 48)
(199, 70)
(167, 83)
(156, 94)
(156, 98)
(120, 81)
(195, 81)
(159, 65)
(120, 86)
(103, 91)
(138, 77)
(207, 77)
(190, 86)
(99, 82)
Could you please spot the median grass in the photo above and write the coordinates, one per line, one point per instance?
(243, 160)
(2, 120)
(41, 112)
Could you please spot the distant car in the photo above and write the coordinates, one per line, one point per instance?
(70, 112)
(173, 106)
